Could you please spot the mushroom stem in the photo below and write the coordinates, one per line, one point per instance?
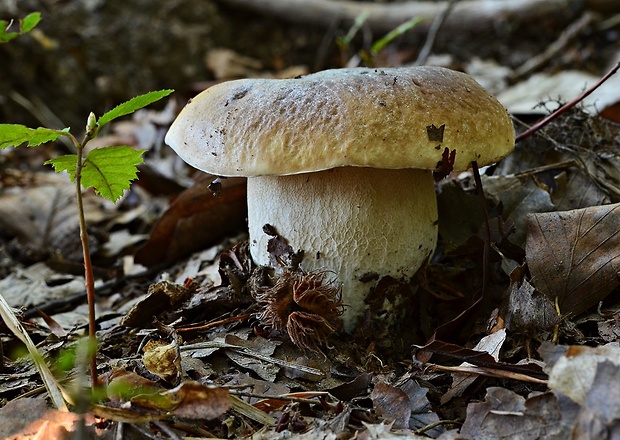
(354, 222)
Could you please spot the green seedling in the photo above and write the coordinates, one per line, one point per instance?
(344, 43)
(108, 170)
(369, 57)
(25, 25)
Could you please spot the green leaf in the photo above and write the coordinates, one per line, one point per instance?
(30, 21)
(379, 45)
(110, 170)
(67, 163)
(25, 26)
(13, 135)
(132, 105)
(5, 36)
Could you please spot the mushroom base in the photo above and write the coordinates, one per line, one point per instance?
(358, 223)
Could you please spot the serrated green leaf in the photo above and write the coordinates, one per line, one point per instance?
(30, 21)
(110, 170)
(13, 135)
(66, 163)
(132, 105)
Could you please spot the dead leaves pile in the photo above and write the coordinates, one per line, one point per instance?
(213, 356)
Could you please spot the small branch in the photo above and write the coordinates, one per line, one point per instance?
(214, 324)
(487, 228)
(432, 34)
(569, 34)
(534, 128)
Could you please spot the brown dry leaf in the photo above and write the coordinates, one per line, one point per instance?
(38, 284)
(196, 219)
(574, 256)
(161, 297)
(519, 198)
(260, 365)
(349, 390)
(163, 359)
(505, 414)
(490, 344)
(228, 64)
(136, 399)
(197, 401)
(391, 404)
(575, 189)
(481, 359)
(528, 309)
(47, 216)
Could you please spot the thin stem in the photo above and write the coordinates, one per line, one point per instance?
(534, 128)
(487, 228)
(89, 279)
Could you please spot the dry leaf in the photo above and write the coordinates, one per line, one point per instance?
(504, 414)
(490, 344)
(163, 359)
(136, 399)
(528, 309)
(574, 373)
(392, 404)
(574, 256)
(195, 220)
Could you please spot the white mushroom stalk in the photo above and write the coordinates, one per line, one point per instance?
(340, 162)
(353, 222)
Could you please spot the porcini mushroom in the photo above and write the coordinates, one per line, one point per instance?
(340, 162)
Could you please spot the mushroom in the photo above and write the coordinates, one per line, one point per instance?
(340, 162)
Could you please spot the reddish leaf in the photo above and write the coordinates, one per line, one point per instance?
(574, 256)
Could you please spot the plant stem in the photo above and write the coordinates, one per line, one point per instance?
(89, 279)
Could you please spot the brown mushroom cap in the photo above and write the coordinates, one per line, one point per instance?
(357, 117)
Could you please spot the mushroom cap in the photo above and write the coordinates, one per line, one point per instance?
(359, 117)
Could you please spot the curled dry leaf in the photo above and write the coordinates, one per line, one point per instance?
(574, 256)
(160, 298)
(135, 399)
(163, 359)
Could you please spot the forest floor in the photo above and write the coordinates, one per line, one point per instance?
(511, 329)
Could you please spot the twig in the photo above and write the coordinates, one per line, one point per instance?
(487, 228)
(432, 34)
(554, 48)
(486, 371)
(534, 128)
(282, 397)
(436, 424)
(214, 323)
